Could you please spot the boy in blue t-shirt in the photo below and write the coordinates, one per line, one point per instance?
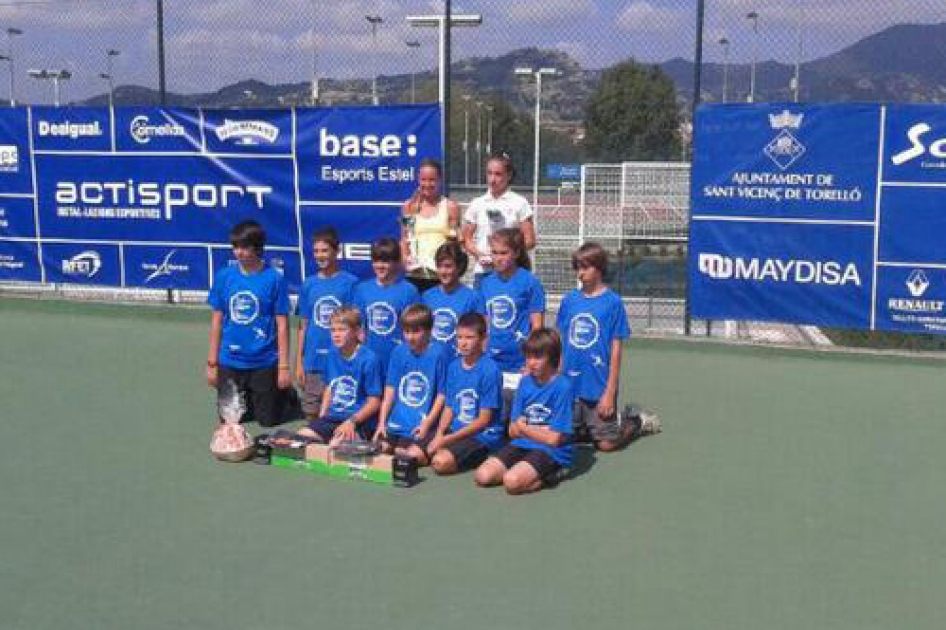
(249, 330)
(540, 446)
(451, 300)
(382, 299)
(319, 297)
(413, 392)
(353, 393)
(515, 306)
(594, 322)
(470, 427)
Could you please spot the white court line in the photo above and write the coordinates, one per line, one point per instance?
(743, 219)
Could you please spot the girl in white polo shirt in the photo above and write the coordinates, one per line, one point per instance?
(499, 208)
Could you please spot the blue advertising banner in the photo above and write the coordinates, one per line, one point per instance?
(820, 214)
(145, 197)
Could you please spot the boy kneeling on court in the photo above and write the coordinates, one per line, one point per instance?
(353, 395)
(413, 391)
(540, 428)
(471, 426)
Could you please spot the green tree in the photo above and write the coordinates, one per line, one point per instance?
(633, 116)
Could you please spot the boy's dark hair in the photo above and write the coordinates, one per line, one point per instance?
(386, 249)
(451, 250)
(326, 235)
(248, 234)
(417, 316)
(506, 161)
(591, 255)
(544, 342)
(474, 322)
(514, 240)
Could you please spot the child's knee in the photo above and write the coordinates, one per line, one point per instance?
(487, 475)
(443, 463)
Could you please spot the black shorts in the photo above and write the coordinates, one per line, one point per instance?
(325, 428)
(400, 441)
(547, 468)
(263, 399)
(468, 452)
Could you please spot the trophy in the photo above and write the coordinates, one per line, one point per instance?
(409, 223)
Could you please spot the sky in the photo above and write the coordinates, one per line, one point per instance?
(211, 43)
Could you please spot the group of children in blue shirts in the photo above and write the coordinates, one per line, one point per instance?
(456, 378)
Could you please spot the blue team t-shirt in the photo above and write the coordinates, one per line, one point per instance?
(509, 303)
(417, 380)
(381, 307)
(469, 391)
(250, 303)
(548, 405)
(448, 308)
(352, 381)
(318, 299)
(588, 326)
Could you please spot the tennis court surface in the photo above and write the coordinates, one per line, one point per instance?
(790, 489)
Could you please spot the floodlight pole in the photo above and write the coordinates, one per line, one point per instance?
(374, 20)
(466, 140)
(413, 44)
(109, 54)
(445, 23)
(754, 17)
(11, 33)
(538, 116)
(725, 44)
(162, 85)
(52, 75)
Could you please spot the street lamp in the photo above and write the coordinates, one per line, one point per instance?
(412, 44)
(752, 15)
(538, 113)
(374, 20)
(796, 80)
(466, 140)
(489, 130)
(444, 24)
(725, 44)
(479, 142)
(11, 33)
(56, 76)
(109, 55)
(314, 90)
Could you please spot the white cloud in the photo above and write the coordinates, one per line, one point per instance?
(548, 11)
(644, 17)
(76, 15)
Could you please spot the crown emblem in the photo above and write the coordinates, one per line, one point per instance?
(785, 120)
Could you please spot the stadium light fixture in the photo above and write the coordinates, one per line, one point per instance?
(725, 44)
(374, 20)
(466, 140)
(441, 22)
(11, 33)
(754, 18)
(413, 45)
(110, 54)
(56, 76)
(537, 74)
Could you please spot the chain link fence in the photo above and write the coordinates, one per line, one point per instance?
(633, 196)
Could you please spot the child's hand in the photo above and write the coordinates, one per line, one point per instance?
(212, 375)
(515, 429)
(380, 433)
(436, 444)
(605, 408)
(284, 379)
(344, 432)
(300, 376)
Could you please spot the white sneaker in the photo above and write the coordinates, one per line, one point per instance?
(650, 421)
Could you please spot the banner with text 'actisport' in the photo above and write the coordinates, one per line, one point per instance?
(832, 215)
(145, 197)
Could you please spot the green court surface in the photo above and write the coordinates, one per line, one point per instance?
(790, 489)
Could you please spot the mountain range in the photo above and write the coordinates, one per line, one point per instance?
(905, 63)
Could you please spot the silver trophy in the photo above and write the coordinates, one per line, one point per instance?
(409, 223)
